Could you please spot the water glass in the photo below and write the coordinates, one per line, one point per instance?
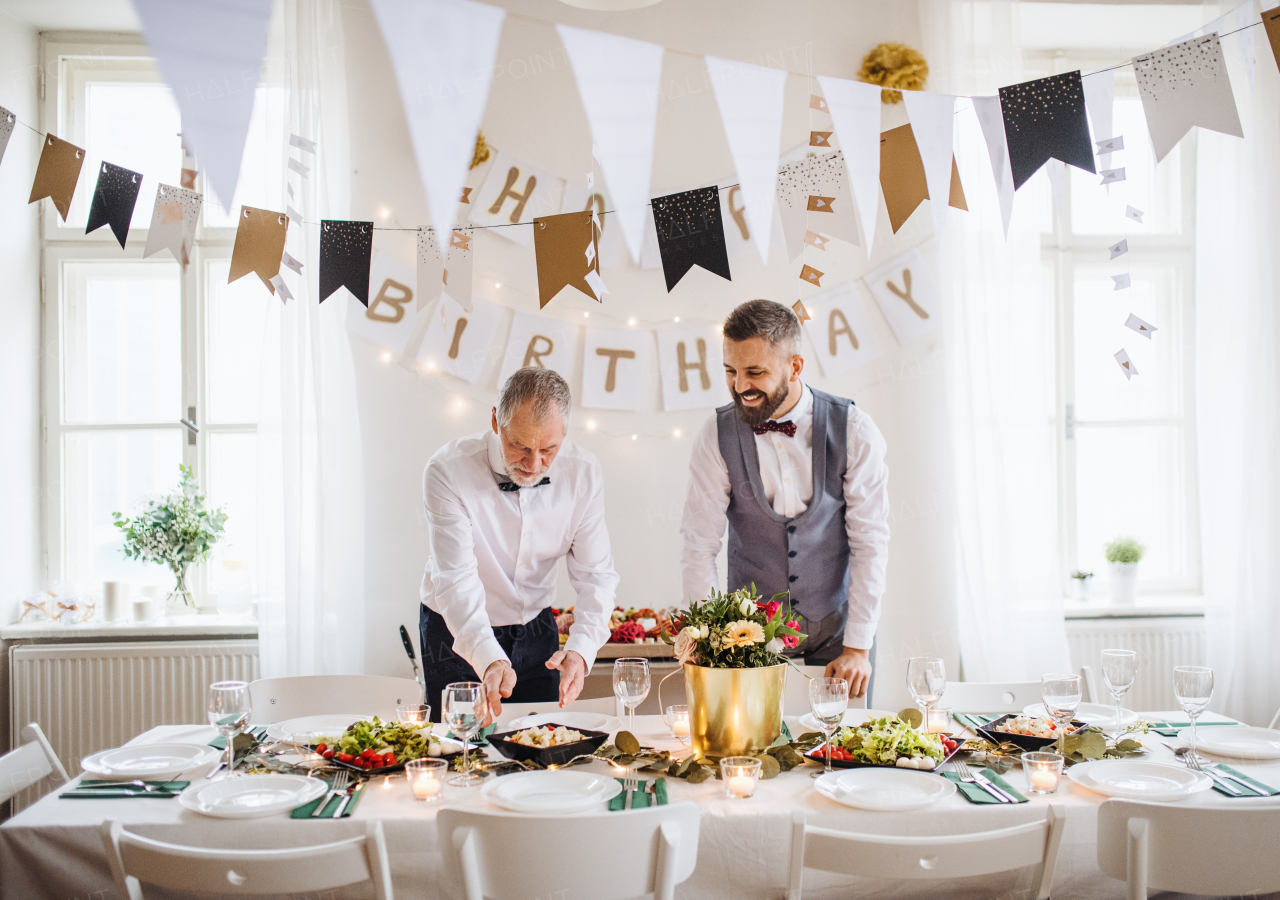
(1193, 686)
(631, 685)
(464, 705)
(926, 679)
(426, 778)
(229, 708)
(740, 774)
(677, 719)
(1119, 669)
(1061, 695)
(415, 715)
(828, 699)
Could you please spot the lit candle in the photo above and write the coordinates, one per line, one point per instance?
(426, 787)
(1043, 779)
(681, 726)
(742, 785)
(1043, 771)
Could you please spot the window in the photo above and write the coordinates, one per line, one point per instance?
(137, 345)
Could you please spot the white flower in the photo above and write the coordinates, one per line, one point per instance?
(686, 645)
(775, 645)
(745, 607)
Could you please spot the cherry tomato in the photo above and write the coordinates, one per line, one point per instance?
(390, 760)
(344, 757)
(366, 753)
(321, 747)
(375, 761)
(328, 754)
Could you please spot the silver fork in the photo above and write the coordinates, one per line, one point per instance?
(630, 783)
(968, 776)
(338, 785)
(1193, 762)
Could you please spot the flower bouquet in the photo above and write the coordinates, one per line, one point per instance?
(735, 631)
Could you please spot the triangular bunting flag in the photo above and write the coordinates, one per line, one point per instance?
(346, 251)
(690, 233)
(210, 52)
(1271, 22)
(1045, 119)
(815, 191)
(443, 53)
(750, 101)
(173, 222)
(1185, 85)
(559, 243)
(933, 119)
(855, 112)
(990, 118)
(259, 245)
(618, 80)
(113, 200)
(1099, 100)
(57, 173)
(903, 180)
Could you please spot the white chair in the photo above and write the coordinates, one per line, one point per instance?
(927, 858)
(1090, 684)
(23, 767)
(990, 696)
(608, 706)
(1275, 719)
(135, 861)
(795, 699)
(1218, 852)
(277, 699)
(607, 856)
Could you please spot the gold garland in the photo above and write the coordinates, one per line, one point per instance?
(894, 65)
(482, 150)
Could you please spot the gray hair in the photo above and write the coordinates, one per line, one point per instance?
(543, 388)
(764, 318)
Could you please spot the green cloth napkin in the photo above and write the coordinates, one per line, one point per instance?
(786, 732)
(973, 721)
(1260, 789)
(481, 738)
(976, 793)
(1171, 729)
(96, 790)
(641, 798)
(257, 734)
(330, 807)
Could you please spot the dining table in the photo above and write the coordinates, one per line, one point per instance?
(53, 849)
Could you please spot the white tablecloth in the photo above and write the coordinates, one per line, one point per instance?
(53, 849)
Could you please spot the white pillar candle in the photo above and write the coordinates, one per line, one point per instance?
(115, 600)
(742, 785)
(426, 787)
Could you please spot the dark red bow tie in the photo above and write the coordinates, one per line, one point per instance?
(788, 428)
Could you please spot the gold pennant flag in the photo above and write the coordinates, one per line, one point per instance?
(902, 176)
(811, 275)
(801, 313)
(815, 240)
(818, 103)
(560, 250)
(820, 138)
(57, 173)
(1271, 22)
(820, 204)
(259, 245)
(187, 179)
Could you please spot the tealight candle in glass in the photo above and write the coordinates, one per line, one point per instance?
(740, 774)
(677, 719)
(1043, 771)
(426, 778)
(939, 720)
(415, 715)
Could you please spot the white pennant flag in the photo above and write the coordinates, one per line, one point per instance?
(1100, 101)
(855, 112)
(618, 79)
(443, 53)
(1242, 20)
(750, 101)
(933, 124)
(210, 52)
(991, 118)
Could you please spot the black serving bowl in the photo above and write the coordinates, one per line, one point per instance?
(548, 756)
(1024, 741)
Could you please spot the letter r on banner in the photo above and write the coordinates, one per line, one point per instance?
(533, 353)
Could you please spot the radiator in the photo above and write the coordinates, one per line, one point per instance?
(1162, 643)
(91, 697)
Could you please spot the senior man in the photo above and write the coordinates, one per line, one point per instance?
(503, 507)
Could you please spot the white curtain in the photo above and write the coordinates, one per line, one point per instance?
(1238, 393)
(999, 324)
(310, 460)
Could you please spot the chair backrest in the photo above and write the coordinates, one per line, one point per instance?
(23, 767)
(932, 857)
(135, 861)
(608, 706)
(990, 696)
(605, 856)
(1275, 719)
(1090, 693)
(1192, 850)
(277, 699)
(795, 698)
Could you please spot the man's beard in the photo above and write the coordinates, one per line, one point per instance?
(524, 480)
(755, 415)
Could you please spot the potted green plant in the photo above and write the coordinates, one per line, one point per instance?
(1080, 583)
(1123, 555)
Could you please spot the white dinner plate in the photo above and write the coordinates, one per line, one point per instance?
(1240, 741)
(304, 728)
(884, 790)
(1090, 713)
(1139, 780)
(550, 792)
(154, 762)
(578, 721)
(252, 796)
(851, 717)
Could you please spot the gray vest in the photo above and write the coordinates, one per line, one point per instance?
(807, 555)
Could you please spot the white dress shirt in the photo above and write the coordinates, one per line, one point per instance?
(786, 473)
(494, 553)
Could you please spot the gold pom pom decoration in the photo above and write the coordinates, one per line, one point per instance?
(894, 65)
(482, 150)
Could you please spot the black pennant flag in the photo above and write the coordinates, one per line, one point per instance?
(1046, 119)
(346, 249)
(691, 233)
(113, 200)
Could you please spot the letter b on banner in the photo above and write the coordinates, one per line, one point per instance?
(404, 294)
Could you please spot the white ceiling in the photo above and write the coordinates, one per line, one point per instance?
(72, 15)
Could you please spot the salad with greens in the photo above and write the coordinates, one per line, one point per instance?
(889, 741)
(372, 744)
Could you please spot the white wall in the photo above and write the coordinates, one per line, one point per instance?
(534, 112)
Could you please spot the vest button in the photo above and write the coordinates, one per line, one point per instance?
(791, 529)
(793, 577)
(792, 553)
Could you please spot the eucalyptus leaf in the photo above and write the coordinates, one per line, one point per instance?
(788, 759)
(682, 767)
(625, 759)
(627, 743)
(911, 716)
(769, 768)
(780, 741)
(699, 774)
(809, 737)
(1128, 745)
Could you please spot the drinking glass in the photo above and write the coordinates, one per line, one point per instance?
(229, 709)
(828, 699)
(926, 679)
(1119, 668)
(1193, 686)
(1061, 695)
(464, 705)
(631, 685)
(415, 715)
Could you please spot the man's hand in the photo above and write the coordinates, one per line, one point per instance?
(573, 669)
(854, 666)
(499, 681)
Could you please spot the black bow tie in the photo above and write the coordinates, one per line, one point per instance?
(511, 486)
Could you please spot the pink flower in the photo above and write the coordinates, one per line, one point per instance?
(769, 608)
(791, 640)
(686, 647)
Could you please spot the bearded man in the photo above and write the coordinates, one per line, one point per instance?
(798, 477)
(503, 507)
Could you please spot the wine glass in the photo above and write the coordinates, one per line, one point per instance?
(828, 699)
(464, 705)
(1193, 686)
(1061, 695)
(229, 708)
(926, 679)
(631, 685)
(415, 715)
(1119, 668)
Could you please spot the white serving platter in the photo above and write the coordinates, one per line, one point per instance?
(153, 762)
(884, 790)
(1238, 741)
(1132, 780)
(252, 796)
(304, 728)
(550, 792)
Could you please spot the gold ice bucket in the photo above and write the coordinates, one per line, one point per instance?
(734, 712)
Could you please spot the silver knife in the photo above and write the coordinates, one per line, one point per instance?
(342, 807)
(1222, 780)
(991, 787)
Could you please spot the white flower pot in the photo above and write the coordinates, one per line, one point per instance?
(1124, 583)
(1080, 589)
